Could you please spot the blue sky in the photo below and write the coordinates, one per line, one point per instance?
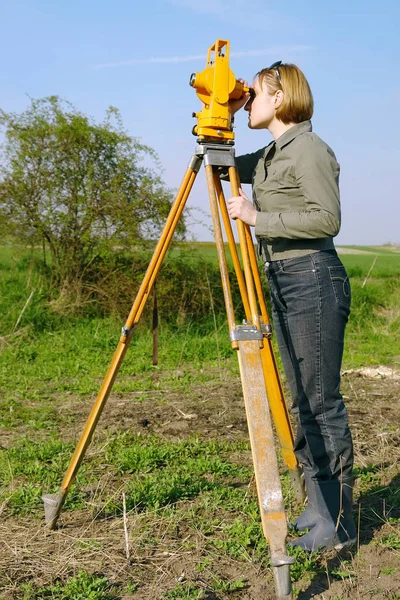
(138, 56)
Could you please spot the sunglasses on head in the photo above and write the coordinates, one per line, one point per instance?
(276, 66)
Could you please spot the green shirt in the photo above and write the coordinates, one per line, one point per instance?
(295, 182)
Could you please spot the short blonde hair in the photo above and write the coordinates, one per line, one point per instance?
(298, 102)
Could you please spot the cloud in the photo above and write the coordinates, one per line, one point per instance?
(281, 51)
(147, 61)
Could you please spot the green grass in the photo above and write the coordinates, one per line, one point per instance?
(81, 587)
(184, 591)
(199, 485)
(161, 473)
(33, 467)
(54, 353)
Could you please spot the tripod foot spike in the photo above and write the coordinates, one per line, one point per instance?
(283, 583)
(53, 504)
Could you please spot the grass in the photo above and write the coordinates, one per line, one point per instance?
(81, 587)
(161, 473)
(195, 493)
(55, 353)
(375, 318)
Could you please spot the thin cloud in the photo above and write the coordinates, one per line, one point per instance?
(289, 50)
(147, 61)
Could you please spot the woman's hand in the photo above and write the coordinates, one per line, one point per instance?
(240, 207)
(235, 105)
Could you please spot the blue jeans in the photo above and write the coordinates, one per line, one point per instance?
(311, 299)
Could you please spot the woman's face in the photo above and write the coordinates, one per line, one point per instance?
(262, 108)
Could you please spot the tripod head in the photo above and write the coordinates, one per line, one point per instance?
(215, 86)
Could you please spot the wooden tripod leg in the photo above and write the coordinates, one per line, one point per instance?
(53, 503)
(233, 178)
(276, 398)
(265, 463)
(232, 245)
(219, 242)
(258, 415)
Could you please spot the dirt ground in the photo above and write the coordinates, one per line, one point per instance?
(28, 551)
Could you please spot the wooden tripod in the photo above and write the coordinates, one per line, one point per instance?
(262, 389)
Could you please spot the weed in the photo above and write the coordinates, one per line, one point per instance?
(242, 539)
(342, 574)
(391, 541)
(203, 565)
(89, 545)
(81, 587)
(184, 591)
(305, 564)
(367, 475)
(388, 570)
(223, 585)
(131, 587)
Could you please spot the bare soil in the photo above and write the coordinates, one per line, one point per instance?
(84, 541)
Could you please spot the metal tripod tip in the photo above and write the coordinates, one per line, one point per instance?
(283, 584)
(52, 508)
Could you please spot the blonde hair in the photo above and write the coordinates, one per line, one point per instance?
(298, 102)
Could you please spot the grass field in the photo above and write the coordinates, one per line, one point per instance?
(173, 443)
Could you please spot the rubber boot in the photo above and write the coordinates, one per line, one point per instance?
(309, 517)
(335, 527)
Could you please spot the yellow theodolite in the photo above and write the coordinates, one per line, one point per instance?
(215, 86)
(262, 389)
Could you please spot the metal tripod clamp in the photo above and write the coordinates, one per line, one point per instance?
(251, 332)
(216, 155)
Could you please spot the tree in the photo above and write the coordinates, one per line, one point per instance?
(78, 186)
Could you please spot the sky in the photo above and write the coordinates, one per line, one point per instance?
(138, 56)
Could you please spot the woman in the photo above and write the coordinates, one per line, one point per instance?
(296, 214)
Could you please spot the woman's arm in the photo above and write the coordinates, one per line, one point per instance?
(245, 166)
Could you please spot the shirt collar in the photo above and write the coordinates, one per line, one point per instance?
(293, 132)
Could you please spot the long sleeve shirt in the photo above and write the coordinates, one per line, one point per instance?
(295, 182)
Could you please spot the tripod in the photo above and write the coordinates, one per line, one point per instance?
(262, 389)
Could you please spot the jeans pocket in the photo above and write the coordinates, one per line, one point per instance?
(341, 285)
(297, 266)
